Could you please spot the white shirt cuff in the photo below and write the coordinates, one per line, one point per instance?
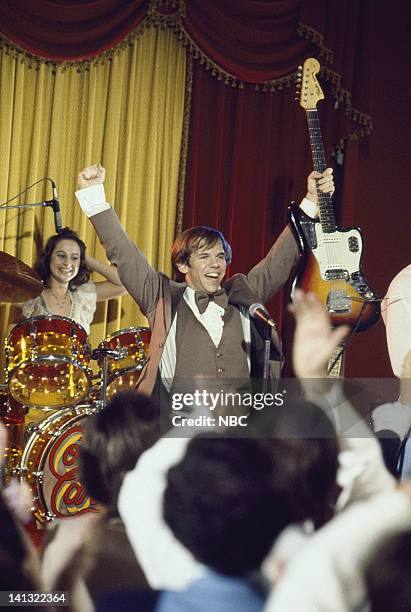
(309, 208)
(92, 199)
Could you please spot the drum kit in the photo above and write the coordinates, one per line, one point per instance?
(49, 392)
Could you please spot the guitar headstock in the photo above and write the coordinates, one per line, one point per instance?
(310, 91)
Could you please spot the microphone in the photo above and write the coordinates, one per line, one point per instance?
(258, 311)
(54, 203)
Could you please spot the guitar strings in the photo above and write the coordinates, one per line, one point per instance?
(326, 212)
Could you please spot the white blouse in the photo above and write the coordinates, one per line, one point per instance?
(83, 305)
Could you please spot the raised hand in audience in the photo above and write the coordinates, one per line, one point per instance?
(315, 338)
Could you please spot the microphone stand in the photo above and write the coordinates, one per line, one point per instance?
(267, 346)
(44, 204)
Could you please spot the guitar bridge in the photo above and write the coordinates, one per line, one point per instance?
(331, 275)
(338, 302)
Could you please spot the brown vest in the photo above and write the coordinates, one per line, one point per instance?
(197, 355)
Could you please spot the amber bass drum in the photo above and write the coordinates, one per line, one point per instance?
(50, 465)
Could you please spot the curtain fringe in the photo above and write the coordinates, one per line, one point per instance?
(173, 21)
(343, 96)
(317, 39)
(84, 65)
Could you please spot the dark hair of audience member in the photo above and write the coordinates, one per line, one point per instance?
(230, 497)
(14, 572)
(387, 574)
(114, 439)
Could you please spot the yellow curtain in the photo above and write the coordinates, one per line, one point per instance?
(126, 113)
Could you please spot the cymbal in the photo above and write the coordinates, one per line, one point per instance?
(18, 282)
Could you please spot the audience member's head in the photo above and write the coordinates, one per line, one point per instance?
(114, 439)
(220, 502)
(230, 497)
(19, 565)
(387, 575)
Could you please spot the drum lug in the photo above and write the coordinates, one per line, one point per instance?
(19, 471)
(39, 476)
(33, 342)
(95, 407)
(31, 429)
(74, 343)
(49, 516)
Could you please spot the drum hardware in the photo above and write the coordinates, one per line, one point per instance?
(38, 476)
(74, 343)
(105, 353)
(31, 429)
(116, 353)
(93, 409)
(20, 470)
(33, 343)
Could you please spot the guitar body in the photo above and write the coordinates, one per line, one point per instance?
(330, 267)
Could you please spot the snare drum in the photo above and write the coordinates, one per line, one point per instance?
(123, 374)
(50, 464)
(47, 362)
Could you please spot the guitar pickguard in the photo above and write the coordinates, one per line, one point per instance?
(338, 253)
(330, 267)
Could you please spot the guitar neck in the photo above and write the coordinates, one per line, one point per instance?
(325, 205)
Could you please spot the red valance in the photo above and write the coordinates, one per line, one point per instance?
(62, 30)
(254, 41)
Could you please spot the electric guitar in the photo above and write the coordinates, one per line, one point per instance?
(330, 262)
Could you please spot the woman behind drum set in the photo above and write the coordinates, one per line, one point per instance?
(68, 295)
(65, 270)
